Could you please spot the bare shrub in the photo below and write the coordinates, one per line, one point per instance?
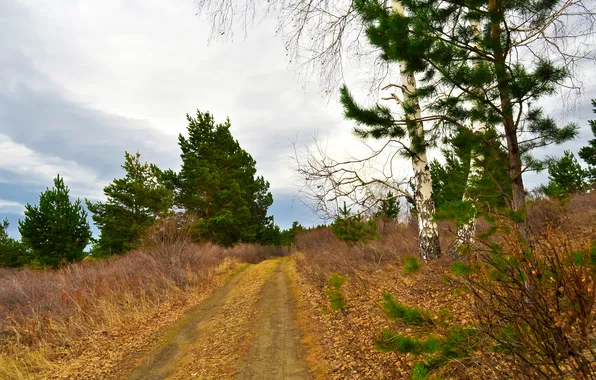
(538, 306)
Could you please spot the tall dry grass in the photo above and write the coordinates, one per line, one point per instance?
(43, 314)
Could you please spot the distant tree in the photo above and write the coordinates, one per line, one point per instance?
(566, 176)
(588, 152)
(269, 233)
(56, 231)
(288, 237)
(353, 228)
(133, 204)
(12, 252)
(218, 184)
(389, 208)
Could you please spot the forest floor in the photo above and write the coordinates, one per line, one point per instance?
(246, 330)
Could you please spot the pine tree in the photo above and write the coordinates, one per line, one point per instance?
(12, 252)
(133, 204)
(353, 228)
(588, 152)
(473, 180)
(481, 78)
(218, 184)
(566, 176)
(56, 231)
(389, 208)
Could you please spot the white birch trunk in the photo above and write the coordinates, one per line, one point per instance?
(428, 231)
(466, 232)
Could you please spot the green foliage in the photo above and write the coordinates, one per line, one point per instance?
(218, 185)
(337, 300)
(412, 264)
(56, 231)
(420, 371)
(389, 208)
(483, 80)
(461, 269)
(352, 228)
(434, 350)
(488, 185)
(585, 257)
(12, 252)
(588, 152)
(288, 237)
(133, 204)
(388, 341)
(378, 119)
(409, 315)
(566, 176)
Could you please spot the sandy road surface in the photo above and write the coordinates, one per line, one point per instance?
(245, 330)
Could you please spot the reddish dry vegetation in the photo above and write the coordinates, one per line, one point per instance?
(341, 344)
(81, 321)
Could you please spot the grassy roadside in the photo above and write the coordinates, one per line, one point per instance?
(132, 324)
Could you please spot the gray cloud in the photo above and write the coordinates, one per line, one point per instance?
(82, 82)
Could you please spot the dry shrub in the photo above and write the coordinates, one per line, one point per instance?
(543, 333)
(46, 310)
(538, 307)
(575, 214)
(324, 254)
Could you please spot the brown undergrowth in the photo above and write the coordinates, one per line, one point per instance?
(342, 343)
(80, 321)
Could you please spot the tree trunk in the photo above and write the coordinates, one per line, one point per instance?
(428, 231)
(466, 231)
(518, 195)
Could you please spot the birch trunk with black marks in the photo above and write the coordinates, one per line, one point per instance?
(428, 231)
(466, 231)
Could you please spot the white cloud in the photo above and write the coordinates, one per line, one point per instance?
(10, 207)
(32, 168)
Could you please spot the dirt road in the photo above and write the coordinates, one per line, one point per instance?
(246, 330)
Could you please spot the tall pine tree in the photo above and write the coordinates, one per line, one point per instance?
(133, 204)
(470, 77)
(56, 231)
(218, 184)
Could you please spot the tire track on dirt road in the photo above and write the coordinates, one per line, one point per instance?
(277, 351)
(246, 330)
(157, 364)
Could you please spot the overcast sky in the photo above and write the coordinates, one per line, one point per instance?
(83, 81)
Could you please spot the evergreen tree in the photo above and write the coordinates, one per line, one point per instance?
(588, 152)
(133, 204)
(353, 228)
(389, 208)
(56, 231)
(218, 184)
(462, 48)
(458, 189)
(12, 252)
(566, 176)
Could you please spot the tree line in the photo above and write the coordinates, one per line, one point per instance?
(217, 189)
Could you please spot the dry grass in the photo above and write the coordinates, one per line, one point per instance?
(49, 318)
(347, 338)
